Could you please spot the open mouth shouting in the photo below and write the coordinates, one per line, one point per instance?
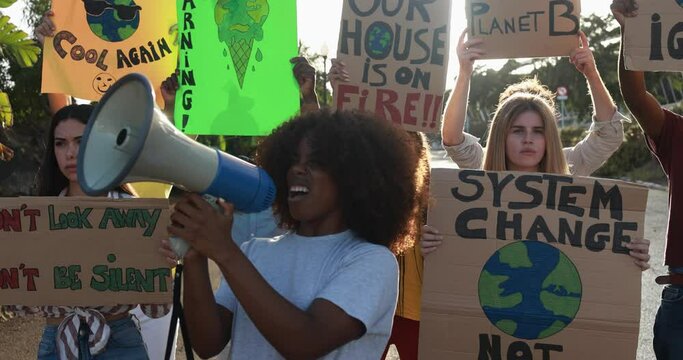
(297, 192)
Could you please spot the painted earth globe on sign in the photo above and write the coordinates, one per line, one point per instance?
(530, 290)
(378, 42)
(112, 20)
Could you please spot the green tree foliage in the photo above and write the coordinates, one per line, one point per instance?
(34, 11)
(21, 80)
(29, 113)
(15, 44)
(15, 48)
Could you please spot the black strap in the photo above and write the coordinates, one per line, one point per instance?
(176, 315)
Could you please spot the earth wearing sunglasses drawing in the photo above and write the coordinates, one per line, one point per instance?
(112, 20)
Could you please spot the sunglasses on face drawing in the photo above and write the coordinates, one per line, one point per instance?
(124, 12)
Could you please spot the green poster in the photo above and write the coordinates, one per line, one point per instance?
(235, 75)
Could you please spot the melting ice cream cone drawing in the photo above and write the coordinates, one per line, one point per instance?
(239, 23)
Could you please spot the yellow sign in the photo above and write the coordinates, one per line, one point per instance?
(99, 41)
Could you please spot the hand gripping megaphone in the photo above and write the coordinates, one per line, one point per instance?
(128, 139)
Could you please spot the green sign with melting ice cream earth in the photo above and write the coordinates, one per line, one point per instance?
(239, 25)
(530, 290)
(235, 74)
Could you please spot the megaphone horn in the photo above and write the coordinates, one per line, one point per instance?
(128, 139)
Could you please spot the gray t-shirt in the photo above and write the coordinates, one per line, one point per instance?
(359, 277)
(249, 225)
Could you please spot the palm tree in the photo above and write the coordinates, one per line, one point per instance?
(16, 46)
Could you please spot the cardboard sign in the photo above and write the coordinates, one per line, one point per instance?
(532, 266)
(524, 28)
(83, 251)
(99, 41)
(396, 55)
(235, 75)
(652, 39)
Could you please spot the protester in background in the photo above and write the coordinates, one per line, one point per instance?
(603, 139)
(524, 137)
(154, 330)
(81, 332)
(406, 325)
(297, 295)
(663, 131)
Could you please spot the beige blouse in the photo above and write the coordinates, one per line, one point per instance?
(602, 140)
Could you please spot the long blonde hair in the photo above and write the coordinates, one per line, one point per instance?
(507, 112)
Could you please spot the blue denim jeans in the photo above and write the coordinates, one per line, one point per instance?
(125, 342)
(668, 328)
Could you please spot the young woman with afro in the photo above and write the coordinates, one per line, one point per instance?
(347, 191)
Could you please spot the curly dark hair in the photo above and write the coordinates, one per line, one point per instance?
(419, 217)
(373, 163)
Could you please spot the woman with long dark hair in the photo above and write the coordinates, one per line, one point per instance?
(74, 332)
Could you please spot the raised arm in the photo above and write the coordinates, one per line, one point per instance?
(583, 60)
(456, 109)
(304, 74)
(168, 90)
(47, 28)
(643, 105)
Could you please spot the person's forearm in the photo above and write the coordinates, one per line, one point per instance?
(603, 105)
(209, 335)
(290, 330)
(456, 111)
(57, 101)
(644, 107)
(631, 83)
(169, 113)
(309, 103)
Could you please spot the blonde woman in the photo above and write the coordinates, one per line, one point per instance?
(524, 137)
(603, 139)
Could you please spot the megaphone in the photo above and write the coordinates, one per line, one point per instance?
(128, 139)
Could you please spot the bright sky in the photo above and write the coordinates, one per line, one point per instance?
(319, 21)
